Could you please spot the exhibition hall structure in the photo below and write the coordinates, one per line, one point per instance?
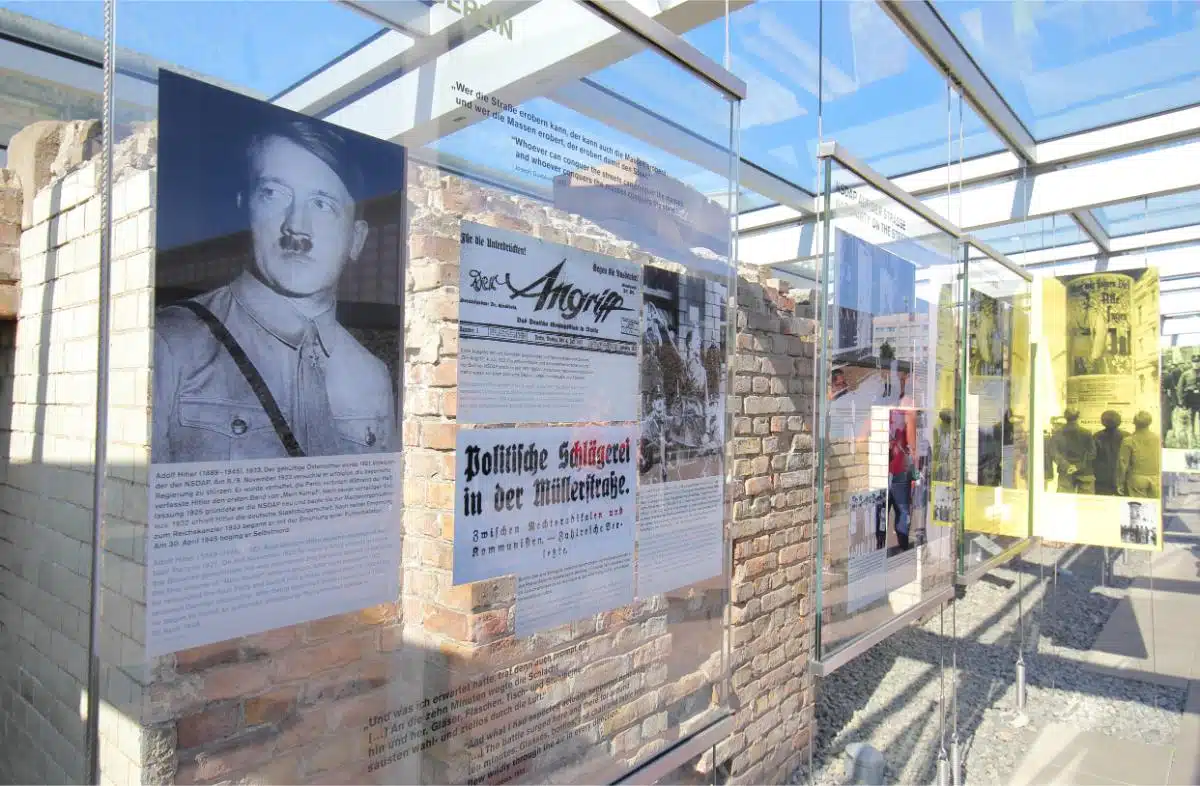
(597, 391)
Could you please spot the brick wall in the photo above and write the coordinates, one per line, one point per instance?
(771, 610)
(45, 500)
(290, 705)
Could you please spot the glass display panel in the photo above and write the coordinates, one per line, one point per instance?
(997, 413)
(889, 369)
(1098, 405)
(472, 494)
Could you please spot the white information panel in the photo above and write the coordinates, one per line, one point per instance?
(547, 333)
(239, 547)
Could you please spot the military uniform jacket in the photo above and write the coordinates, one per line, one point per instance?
(204, 408)
(1141, 454)
(1188, 391)
(1108, 456)
(1074, 445)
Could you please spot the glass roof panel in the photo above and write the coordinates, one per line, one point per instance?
(1066, 67)
(883, 100)
(1150, 215)
(239, 43)
(1032, 235)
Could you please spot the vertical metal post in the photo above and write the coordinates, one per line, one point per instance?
(943, 769)
(100, 457)
(1021, 682)
(821, 374)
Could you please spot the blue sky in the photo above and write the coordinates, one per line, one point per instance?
(1062, 65)
(265, 46)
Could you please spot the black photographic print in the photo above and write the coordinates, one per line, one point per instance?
(1140, 526)
(279, 282)
(683, 373)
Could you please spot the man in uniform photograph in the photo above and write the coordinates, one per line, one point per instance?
(1187, 396)
(1172, 373)
(1108, 454)
(260, 367)
(1141, 460)
(1073, 452)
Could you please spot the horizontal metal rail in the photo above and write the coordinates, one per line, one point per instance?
(628, 17)
(679, 754)
(979, 571)
(827, 666)
(847, 160)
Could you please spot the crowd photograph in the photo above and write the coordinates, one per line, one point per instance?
(1113, 461)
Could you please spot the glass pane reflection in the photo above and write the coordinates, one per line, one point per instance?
(1067, 67)
(883, 100)
(1150, 215)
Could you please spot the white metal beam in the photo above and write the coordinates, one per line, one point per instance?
(1091, 227)
(1163, 237)
(925, 28)
(418, 34)
(1120, 137)
(1167, 170)
(554, 43)
(1163, 171)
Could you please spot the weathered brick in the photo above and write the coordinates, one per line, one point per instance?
(438, 436)
(234, 681)
(202, 728)
(270, 707)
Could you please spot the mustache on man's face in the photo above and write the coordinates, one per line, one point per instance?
(295, 243)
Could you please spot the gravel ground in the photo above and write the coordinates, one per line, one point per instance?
(889, 696)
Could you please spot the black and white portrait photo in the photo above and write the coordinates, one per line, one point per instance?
(945, 503)
(989, 336)
(1180, 389)
(1098, 324)
(682, 376)
(1141, 524)
(279, 282)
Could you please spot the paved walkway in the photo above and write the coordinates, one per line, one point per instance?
(1153, 636)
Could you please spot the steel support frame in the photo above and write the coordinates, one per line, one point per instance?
(832, 150)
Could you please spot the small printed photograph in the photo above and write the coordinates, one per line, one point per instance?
(868, 522)
(988, 331)
(945, 448)
(682, 376)
(1191, 459)
(1181, 398)
(945, 504)
(1141, 524)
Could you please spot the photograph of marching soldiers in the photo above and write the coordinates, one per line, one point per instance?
(682, 376)
(1181, 400)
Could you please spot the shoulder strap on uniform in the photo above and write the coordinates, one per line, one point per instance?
(255, 380)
